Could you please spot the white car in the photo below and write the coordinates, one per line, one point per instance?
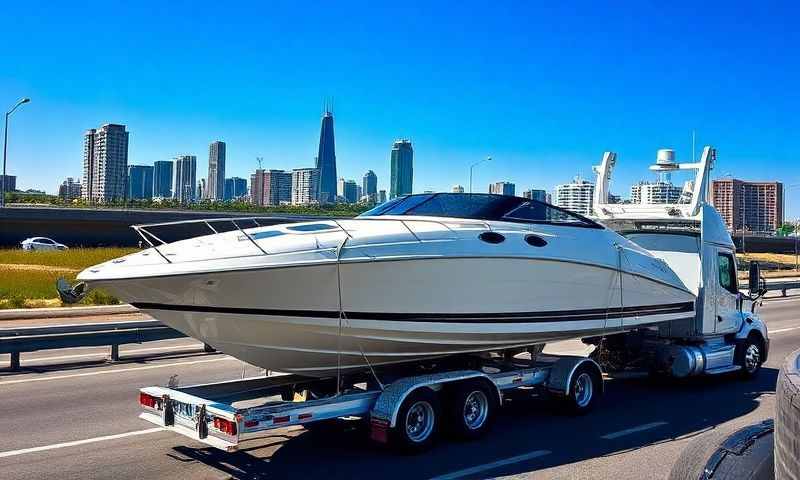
(42, 243)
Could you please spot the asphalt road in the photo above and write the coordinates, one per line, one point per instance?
(71, 415)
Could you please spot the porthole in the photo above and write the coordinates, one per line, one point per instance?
(535, 241)
(491, 237)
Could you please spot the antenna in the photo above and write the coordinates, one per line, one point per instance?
(694, 156)
(259, 160)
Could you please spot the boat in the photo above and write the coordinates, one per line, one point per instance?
(418, 277)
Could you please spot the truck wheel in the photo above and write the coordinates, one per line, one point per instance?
(472, 409)
(749, 356)
(417, 421)
(585, 388)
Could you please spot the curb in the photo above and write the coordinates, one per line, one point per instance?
(64, 312)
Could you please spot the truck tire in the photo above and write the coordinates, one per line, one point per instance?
(787, 420)
(472, 408)
(728, 453)
(417, 421)
(749, 355)
(585, 389)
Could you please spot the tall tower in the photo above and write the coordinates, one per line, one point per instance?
(369, 186)
(215, 187)
(402, 169)
(105, 163)
(185, 174)
(326, 159)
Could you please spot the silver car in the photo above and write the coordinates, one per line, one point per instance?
(42, 243)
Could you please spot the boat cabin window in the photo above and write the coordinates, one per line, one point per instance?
(481, 206)
(666, 242)
(727, 272)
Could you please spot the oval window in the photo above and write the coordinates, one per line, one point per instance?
(491, 237)
(535, 241)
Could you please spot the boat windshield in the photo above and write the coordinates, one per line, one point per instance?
(480, 206)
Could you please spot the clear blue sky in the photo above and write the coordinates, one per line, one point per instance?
(544, 89)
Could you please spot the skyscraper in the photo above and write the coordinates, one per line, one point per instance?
(235, 188)
(185, 178)
(105, 163)
(69, 190)
(502, 188)
(350, 191)
(215, 186)
(369, 186)
(576, 196)
(162, 179)
(140, 182)
(402, 169)
(326, 160)
(534, 194)
(382, 196)
(274, 186)
(305, 186)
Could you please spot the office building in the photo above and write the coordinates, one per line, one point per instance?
(575, 196)
(651, 193)
(271, 187)
(162, 179)
(201, 190)
(502, 188)
(350, 191)
(749, 206)
(185, 178)
(69, 190)
(140, 182)
(381, 196)
(534, 194)
(235, 188)
(305, 186)
(369, 186)
(326, 160)
(458, 189)
(402, 169)
(105, 164)
(215, 187)
(257, 187)
(10, 182)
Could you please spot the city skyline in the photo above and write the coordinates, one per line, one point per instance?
(541, 97)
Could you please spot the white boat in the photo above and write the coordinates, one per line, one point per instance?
(418, 277)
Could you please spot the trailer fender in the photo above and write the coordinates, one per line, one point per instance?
(562, 371)
(389, 401)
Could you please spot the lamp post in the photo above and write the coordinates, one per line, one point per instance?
(794, 231)
(473, 166)
(5, 151)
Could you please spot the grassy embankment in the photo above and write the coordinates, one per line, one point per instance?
(773, 265)
(28, 279)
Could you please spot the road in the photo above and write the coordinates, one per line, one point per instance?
(71, 414)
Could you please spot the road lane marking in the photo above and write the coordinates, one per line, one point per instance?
(628, 431)
(107, 372)
(105, 353)
(43, 448)
(492, 465)
(772, 332)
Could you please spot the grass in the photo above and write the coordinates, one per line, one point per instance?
(28, 279)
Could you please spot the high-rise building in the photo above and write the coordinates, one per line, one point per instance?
(69, 190)
(235, 188)
(402, 169)
(275, 187)
(340, 189)
(185, 178)
(381, 196)
(326, 160)
(350, 191)
(750, 206)
(502, 188)
(575, 196)
(140, 182)
(305, 186)
(162, 179)
(369, 186)
(201, 189)
(105, 163)
(215, 187)
(458, 189)
(10, 182)
(534, 194)
(651, 193)
(257, 187)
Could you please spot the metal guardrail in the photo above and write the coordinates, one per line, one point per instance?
(783, 286)
(15, 341)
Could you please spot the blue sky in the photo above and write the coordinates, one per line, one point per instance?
(542, 88)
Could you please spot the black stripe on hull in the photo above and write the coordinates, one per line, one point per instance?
(500, 317)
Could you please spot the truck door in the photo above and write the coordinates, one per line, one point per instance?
(727, 293)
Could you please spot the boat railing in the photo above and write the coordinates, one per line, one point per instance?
(145, 230)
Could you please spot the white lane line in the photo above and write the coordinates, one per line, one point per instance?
(105, 352)
(628, 431)
(107, 372)
(772, 332)
(492, 465)
(43, 448)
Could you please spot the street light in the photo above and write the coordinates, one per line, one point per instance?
(794, 232)
(473, 166)
(5, 152)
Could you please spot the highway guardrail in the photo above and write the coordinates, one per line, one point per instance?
(15, 341)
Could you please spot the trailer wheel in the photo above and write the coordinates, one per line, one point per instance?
(472, 409)
(749, 356)
(585, 388)
(417, 421)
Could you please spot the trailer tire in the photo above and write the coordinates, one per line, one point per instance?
(749, 355)
(472, 409)
(418, 421)
(585, 389)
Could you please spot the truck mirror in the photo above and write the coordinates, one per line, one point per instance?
(753, 280)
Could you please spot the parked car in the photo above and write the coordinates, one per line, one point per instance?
(42, 243)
